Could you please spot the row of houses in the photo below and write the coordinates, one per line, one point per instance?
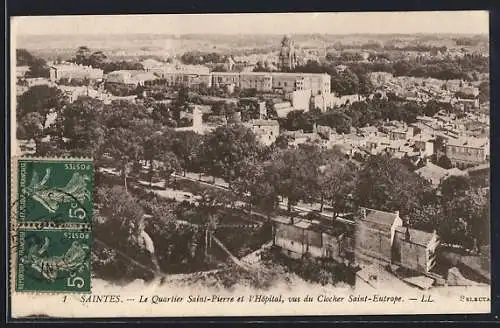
(265, 82)
(71, 71)
(296, 239)
(373, 237)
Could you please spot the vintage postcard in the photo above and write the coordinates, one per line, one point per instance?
(250, 164)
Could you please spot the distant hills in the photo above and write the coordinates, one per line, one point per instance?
(125, 45)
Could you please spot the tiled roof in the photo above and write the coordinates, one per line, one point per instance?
(417, 237)
(468, 142)
(379, 217)
(455, 171)
(264, 122)
(432, 171)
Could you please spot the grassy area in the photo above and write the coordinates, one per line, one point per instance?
(323, 271)
(181, 248)
(242, 241)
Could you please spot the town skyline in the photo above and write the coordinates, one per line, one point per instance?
(339, 23)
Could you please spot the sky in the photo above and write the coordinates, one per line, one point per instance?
(460, 22)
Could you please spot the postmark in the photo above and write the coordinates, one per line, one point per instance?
(53, 260)
(58, 191)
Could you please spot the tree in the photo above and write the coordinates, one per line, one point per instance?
(82, 55)
(337, 184)
(124, 217)
(401, 68)
(154, 148)
(123, 146)
(464, 213)
(128, 125)
(251, 185)
(180, 103)
(444, 162)
(229, 110)
(282, 141)
(162, 114)
(37, 66)
(81, 124)
(126, 145)
(484, 92)
(339, 121)
(454, 187)
(270, 111)
(41, 99)
(295, 173)
(225, 148)
(346, 83)
(298, 120)
(169, 165)
(122, 113)
(432, 108)
(218, 108)
(97, 59)
(31, 127)
(24, 57)
(210, 203)
(386, 184)
(186, 146)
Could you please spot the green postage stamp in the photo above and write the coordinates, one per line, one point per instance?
(53, 260)
(58, 191)
(52, 225)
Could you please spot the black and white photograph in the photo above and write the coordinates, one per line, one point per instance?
(267, 163)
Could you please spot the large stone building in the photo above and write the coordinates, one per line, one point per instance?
(130, 78)
(375, 232)
(466, 152)
(274, 81)
(288, 54)
(266, 130)
(307, 237)
(73, 71)
(415, 249)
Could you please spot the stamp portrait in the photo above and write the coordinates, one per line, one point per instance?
(53, 260)
(58, 191)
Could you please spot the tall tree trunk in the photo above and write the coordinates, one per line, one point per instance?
(334, 215)
(151, 172)
(167, 180)
(125, 181)
(38, 145)
(322, 203)
(206, 242)
(199, 176)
